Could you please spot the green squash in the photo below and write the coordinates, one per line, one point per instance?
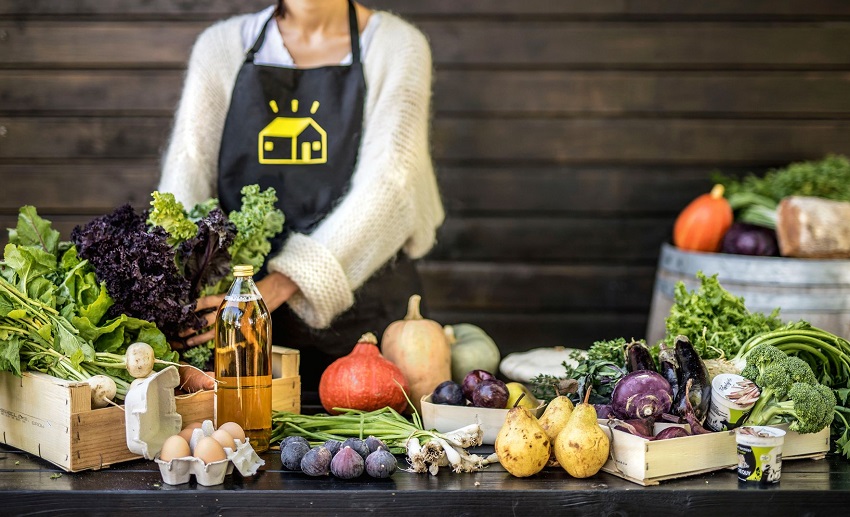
(472, 349)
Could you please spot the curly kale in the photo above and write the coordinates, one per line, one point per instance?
(257, 221)
(169, 214)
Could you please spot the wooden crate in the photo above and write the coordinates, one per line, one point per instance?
(54, 420)
(650, 462)
(286, 382)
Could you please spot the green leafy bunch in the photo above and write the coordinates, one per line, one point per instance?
(716, 321)
(54, 311)
(257, 221)
(754, 198)
(169, 213)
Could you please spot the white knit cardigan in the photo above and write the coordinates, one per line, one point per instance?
(393, 202)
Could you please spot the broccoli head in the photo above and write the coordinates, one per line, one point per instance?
(808, 407)
(800, 371)
(760, 357)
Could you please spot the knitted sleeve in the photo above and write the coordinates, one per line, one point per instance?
(393, 202)
(190, 162)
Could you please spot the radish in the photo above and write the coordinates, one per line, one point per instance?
(103, 390)
(140, 359)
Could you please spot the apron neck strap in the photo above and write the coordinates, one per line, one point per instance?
(353, 29)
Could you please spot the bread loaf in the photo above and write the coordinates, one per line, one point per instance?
(812, 227)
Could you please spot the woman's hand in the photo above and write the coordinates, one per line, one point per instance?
(275, 288)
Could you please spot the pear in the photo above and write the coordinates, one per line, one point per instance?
(522, 445)
(518, 392)
(556, 415)
(582, 447)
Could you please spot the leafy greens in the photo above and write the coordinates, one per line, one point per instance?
(55, 316)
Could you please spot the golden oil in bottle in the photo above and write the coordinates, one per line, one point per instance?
(243, 360)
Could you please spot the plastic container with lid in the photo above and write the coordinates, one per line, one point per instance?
(759, 454)
(732, 397)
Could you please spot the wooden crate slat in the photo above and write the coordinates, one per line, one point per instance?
(443, 7)
(89, 188)
(685, 45)
(509, 92)
(547, 239)
(634, 141)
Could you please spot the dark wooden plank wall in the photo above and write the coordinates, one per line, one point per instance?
(567, 133)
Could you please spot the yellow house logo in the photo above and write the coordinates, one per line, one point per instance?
(293, 140)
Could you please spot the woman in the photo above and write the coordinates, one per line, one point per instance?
(338, 125)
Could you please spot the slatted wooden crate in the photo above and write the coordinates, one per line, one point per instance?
(286, 382)
(53, 418)
(650, 462)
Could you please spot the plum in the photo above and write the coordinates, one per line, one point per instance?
(472, 380)
(490, 394)
(448, 392)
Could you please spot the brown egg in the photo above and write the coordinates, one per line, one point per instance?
(234, 430)
(174, 447)
(209, 451)
(224, 438)
(186, 433)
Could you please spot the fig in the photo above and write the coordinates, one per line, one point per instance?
(317, 462)
(291, 454)
(472, 380)
(333, 446)
(381, 464)
(375, 444)
(290, 439)
(490, 394)
(358, 445)
(448, 392)
(347, 464)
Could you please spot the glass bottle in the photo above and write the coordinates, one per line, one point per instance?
(243, 369)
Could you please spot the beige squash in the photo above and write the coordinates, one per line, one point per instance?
(419, 347)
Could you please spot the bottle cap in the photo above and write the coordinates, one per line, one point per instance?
(243, 270)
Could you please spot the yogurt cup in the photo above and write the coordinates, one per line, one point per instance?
(759, 454)
(732, 397)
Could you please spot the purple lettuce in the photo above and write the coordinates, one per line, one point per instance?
(139, 269)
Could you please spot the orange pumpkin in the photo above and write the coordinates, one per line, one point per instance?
(703, 223)
(363, 380)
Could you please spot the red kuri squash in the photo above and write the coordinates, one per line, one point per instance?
(363, 380)
(703, 223)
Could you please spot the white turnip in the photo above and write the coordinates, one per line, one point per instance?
(103, 390)
(140, 359)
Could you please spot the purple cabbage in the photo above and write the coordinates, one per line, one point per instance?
(750, 239)
(641, 394)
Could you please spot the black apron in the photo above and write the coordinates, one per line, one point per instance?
(298, 131)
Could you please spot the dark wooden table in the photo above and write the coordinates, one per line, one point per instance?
(29, 485)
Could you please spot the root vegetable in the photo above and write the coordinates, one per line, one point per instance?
(103, 390)
(140, 359)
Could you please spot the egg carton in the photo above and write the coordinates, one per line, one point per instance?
(180, 470)
(150, 412)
